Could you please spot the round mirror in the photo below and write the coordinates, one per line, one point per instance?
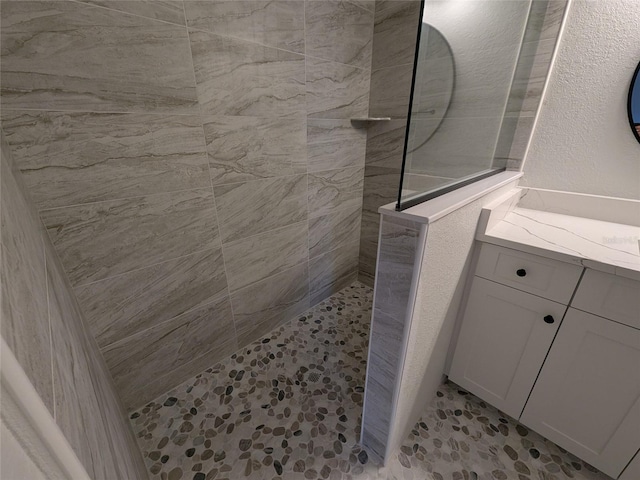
(634, 103)
(433, 88)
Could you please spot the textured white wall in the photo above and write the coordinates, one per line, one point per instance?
(583, 141)
(444, 269)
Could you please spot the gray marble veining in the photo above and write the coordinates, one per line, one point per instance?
(235, 77)
(330, 19)
(369, 231)
(385, 144)
(334, 144)
(394, 36)
(25, 319)
(341, 227)
(368, 4)
(82, 400)
(398, 250)
(166, 10)
(250, 148)
(160, 349)
(335, 90)
(249, 208)
(74, 56)
(380, 187)
(256, 258)
(120, 306)
(333, 190)
(390, 89)
(332, 271)
(77, 406)
(278, 23)
(260, 308)
(73, 158)
(99, 240)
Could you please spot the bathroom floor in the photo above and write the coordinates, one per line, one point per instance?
(289, 406)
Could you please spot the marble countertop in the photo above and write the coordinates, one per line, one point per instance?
(601, 245)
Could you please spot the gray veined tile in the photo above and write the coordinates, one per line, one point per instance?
(278, 23)
(333, 271)
(73, 158)
(76, 400)
(385, 144)
(339, 31)
(250, 148)
(367, 4)
(398, 248)
(334, 144)
(170, 345)
(327, 232)
(235, 77)
(335, 90)
(369, 245)
(395, 34)
(333, 190)
(249, 208)
(380, 187)
(121, 306)
(387, 332)
(99, 240)
(166, 10)
(25, 319)
(253, 259)
(153, 386)
(260, 308)
(73, 56)
(390, 91)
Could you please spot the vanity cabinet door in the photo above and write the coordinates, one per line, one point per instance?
(504, 339)
(587, 398)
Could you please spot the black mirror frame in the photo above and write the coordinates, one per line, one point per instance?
(634, 126)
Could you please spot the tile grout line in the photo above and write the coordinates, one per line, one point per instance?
(172, 259)
(131, 14)
(46, 281)
(215, 203)
(306, 107)
(211, 186)
(117, 343)
(125, 199)
(338, 210)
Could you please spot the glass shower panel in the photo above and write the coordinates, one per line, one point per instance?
(465, 62)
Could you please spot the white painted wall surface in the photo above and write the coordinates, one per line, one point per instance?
(440, 285)
(583, 141)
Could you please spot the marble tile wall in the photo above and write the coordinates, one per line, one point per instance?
(398, 253)
(394, 41)
(193, 163)
(43, 325)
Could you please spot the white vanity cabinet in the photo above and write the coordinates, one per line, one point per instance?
(505, 336)
(574, 380)
(587, 398)
(506, 332)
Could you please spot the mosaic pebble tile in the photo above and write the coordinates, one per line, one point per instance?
(289, 407)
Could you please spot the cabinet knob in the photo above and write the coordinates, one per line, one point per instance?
(549, 319)
(521, 272)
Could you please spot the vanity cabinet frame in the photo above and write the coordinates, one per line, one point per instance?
(529, 379)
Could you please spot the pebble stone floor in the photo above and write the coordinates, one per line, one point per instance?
(289, 407)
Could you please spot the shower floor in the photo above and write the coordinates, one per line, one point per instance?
(289, 407)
